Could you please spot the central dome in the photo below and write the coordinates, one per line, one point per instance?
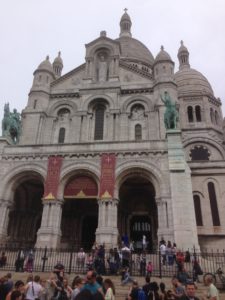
(132, 49)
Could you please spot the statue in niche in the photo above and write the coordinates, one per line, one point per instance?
(102, 68)
(137, 112)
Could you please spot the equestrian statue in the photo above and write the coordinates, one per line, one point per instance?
(11, 124)
(171, 114)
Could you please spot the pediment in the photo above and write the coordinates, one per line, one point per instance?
(69, 81)
(100, 43)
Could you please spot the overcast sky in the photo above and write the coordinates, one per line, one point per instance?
(31, 29)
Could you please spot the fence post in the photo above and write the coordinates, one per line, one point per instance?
(160, 264)
(71, 260)
(44, 258)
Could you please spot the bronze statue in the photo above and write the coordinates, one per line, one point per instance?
(171, 113)
(11, 124)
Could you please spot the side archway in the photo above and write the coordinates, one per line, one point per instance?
(26, 209)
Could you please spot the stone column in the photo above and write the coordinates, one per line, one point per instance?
(107, 231)
(184, 224)
(49, 233)
(165, 229)
(4, 219)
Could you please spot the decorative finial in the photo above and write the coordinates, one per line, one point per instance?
(182, 43)
(162, 48)
(47, 57)
(59, 53)
(125, 9)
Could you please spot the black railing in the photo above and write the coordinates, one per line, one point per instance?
(44, 260)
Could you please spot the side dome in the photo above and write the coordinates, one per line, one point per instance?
(162, 56)
(46, 66)
(132, 49)
(190, 81)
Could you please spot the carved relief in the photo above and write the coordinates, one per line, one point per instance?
(137, 112)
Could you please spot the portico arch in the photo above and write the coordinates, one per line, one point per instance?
(137, 210)
(26, 208)
(80, 210)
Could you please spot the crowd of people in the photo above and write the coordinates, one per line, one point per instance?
(93, 286)
(57, 287)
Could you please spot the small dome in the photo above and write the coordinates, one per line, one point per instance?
(162, 55)
(190, 81)
(58, 59)
(134, 49)
(46, 65)
(182, 48)
(125, 17)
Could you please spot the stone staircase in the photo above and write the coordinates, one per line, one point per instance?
(121, 291)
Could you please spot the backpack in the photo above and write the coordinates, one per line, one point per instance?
(141, 295)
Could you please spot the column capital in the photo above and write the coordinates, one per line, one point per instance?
(52, 201)
(6, 203)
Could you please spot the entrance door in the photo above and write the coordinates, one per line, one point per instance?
(139, 226)
(137, 211)
(89, 227)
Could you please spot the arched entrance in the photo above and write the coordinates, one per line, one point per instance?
(137, 212)
(80, 213)
(25, 215)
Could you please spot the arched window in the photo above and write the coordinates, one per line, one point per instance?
(99, 122)
(190, 114)
(63, 113)
(213, 204)
(199, 153)
(62, 132)
(35, 103)
(216, 118)
(198, 113)
(212, 116)
(138, 132)
(198, 211)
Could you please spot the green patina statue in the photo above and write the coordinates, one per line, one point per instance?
(171, 114)
(11, 124)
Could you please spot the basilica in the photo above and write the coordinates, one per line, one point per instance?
(94, 160)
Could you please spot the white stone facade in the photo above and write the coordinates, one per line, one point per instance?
(158, 171)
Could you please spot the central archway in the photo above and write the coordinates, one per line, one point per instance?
(80, 212)
(137, 211)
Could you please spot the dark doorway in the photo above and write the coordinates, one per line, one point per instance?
(78, 228)
(139, 226)
(89, 227)
(25, 215)
(137, 211)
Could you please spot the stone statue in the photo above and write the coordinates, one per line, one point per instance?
(171, 114)
(11, 124)
(102, 69)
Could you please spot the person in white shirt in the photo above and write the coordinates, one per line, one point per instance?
(33, 289)
(162, 249)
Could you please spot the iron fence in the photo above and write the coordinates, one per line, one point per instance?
(44, 260)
